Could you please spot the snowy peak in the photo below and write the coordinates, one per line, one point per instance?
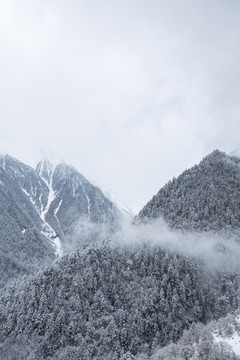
(23, 247)
(10, 164)
(57, 198)
(27, 179)
(45, 169)
(64, 172)
(69, 197)
(76, 198)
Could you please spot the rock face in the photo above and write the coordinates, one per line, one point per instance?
(72, 197)
(39, 210)
(23, 247)
(205, 197)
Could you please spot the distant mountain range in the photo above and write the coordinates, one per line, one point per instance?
(40, 210)
(109, 300)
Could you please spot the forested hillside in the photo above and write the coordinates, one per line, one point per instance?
(104, 302)
(205, 197)
(136, 296)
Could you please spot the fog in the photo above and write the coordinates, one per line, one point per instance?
(131, 93)
(218, 251)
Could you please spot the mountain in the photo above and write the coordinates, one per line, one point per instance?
(205, 197)
(105, 302)
(128, 298)
(23, 248)
(72, 197)
(40, 210)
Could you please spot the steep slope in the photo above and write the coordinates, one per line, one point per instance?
(104, 302)
(205, 197)
(27, 180)
(40, 210)
(60, 195)
(23, 248)
(72, 198)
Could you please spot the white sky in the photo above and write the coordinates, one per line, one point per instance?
(130, 92)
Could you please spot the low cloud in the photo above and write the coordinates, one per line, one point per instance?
(219, 251)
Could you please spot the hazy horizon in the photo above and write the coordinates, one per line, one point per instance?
(129, 93)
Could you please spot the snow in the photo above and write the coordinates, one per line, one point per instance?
(28, 195)
(46, 166)
(51, 196)
(47, 230)
(58, 246)
(55, 214)
(233, 341)
(49, 233)
(56, 211)
(88, 202)
(41, 204)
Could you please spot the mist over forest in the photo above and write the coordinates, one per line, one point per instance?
(119, 180)
(81, 280)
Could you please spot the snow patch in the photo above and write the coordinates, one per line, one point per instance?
(50, 234)
(88, 203)
(28, 195)
(56, 211)
(47, 230)
(233, 341)
(55, 214)
(51, 196)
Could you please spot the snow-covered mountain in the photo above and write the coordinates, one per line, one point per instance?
(72, 197)
(205, 197)
(128, 297)
(23, 247)
(40, 209)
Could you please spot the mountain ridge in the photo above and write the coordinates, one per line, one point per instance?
(53, 199)
(202, 198)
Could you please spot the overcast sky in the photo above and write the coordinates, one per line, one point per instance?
(129, 92)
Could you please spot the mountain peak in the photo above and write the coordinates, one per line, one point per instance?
(216, 155)
(4, 158)
(45, 169)
(203, 197)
